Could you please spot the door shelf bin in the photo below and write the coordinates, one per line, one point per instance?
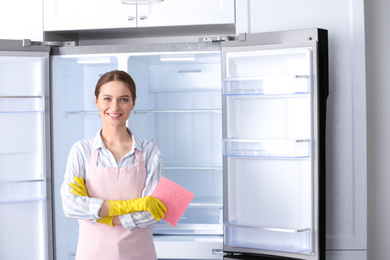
(21, 104)
(296, 84)
(29, 190)
(266, 148)
(277, 239)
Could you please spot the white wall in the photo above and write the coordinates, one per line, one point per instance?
(378, 126)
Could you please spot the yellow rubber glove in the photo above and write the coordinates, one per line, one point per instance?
(149, 203)
(81, 190)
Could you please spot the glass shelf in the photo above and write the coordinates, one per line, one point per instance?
(268, 238)
(82, 112)
(283, 85)
(266, 148)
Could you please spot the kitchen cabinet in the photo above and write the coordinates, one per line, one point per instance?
(64, 15)
(15, 15)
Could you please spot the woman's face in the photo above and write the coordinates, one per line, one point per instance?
(114, 103)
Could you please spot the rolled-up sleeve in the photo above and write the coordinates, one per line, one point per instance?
(74, 206)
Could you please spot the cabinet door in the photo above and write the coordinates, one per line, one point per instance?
(87, 14)
(186, 12)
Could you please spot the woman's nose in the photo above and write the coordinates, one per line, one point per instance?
(115, 104)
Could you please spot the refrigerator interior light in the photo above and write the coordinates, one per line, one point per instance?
(93, 60)
(141, 2)
(177, 58)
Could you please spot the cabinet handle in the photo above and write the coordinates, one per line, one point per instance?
(143, 17)
(130, 18)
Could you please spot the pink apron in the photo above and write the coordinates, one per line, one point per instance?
(100, 241)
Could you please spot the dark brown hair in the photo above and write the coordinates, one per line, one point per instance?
(116, 75)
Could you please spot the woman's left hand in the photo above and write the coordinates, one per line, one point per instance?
(79, 188)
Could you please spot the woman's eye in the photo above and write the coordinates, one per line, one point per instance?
(106, 99)
(124, 99)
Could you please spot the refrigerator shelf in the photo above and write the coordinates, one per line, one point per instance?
(266, 148)
(217, 168)
(82, 112)
(281, 85)
(267, 238)
(164, 228)
(206, 205)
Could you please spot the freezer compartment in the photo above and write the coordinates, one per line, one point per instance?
(28, 219)
(294, 84)
(265, 117)
(27, 190)
(21, 76)
(267, 238)
(266, 148)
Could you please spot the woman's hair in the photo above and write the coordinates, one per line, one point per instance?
(116, 75)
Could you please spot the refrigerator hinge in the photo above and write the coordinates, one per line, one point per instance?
(29, 43)
(217, 39)
(218, 252)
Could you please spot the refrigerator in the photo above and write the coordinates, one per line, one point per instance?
(239, 120)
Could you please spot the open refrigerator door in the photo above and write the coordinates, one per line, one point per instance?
(274, 100)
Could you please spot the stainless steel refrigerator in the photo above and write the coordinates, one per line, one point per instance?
(240, 123)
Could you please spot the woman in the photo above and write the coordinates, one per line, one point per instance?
(114, 206)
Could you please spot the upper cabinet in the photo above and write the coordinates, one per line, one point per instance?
(65, 15)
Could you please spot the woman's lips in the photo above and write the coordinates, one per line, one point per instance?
(114, 115)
